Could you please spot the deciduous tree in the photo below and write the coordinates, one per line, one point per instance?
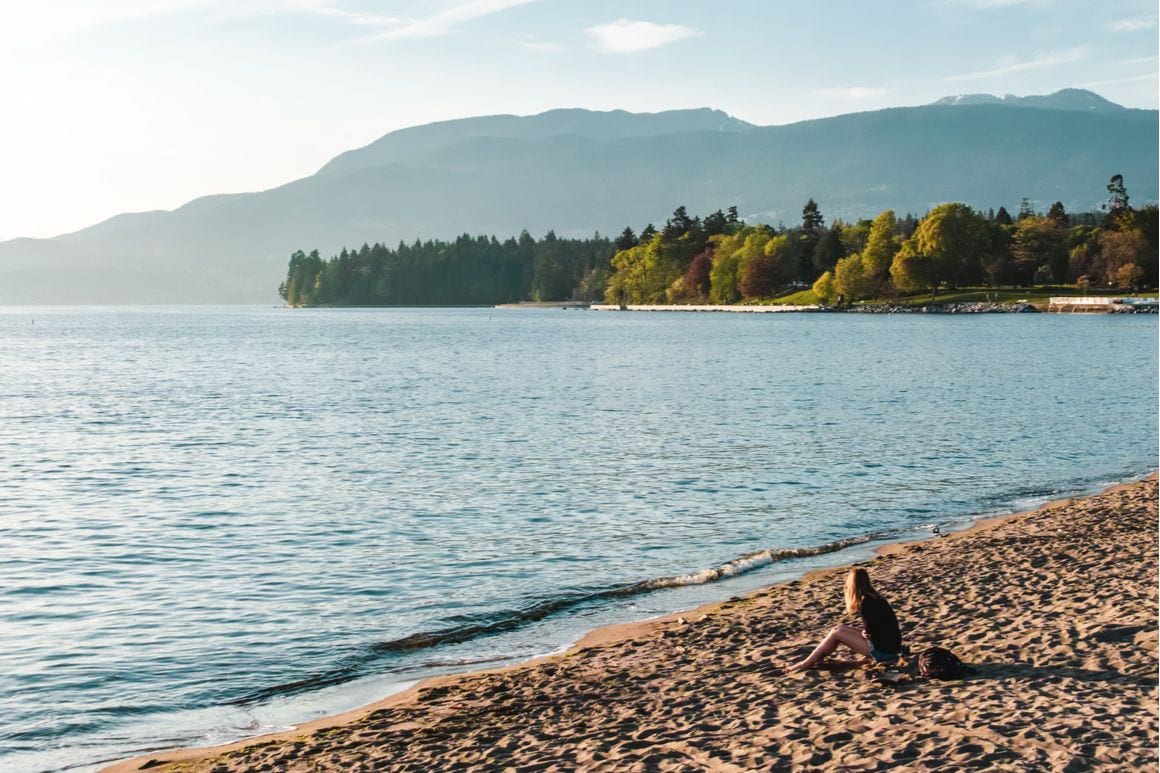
(911, 271)
(697, 277)
(953, 237)
(1039, 244)
(881, 246)
(824, 289)
(850, 279)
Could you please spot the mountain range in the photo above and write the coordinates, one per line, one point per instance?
(579, 171)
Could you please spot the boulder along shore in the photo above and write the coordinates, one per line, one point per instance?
(1056, 609)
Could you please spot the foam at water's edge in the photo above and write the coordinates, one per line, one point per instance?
(751, 561)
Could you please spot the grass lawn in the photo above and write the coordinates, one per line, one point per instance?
(800, 298)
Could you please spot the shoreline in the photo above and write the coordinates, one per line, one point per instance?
(931, 307)
(609, 637)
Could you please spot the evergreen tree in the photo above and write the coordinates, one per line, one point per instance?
(679, 224)
(997, 265)
(1117, 194)
(626, 240)
(812, 228)
(828, 250)
(715, 223)
(468, 270)
(1002, 217)
(1058, 215)
(906, 226)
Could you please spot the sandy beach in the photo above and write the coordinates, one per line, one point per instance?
(1056, 608)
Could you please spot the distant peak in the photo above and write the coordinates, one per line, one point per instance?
(1064, 99)
(700, 116)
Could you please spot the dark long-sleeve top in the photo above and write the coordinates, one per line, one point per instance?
(881, 624)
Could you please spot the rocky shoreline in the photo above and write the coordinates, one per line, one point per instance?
(980, 307)
(975, 307)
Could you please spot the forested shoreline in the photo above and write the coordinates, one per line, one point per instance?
(719, 258)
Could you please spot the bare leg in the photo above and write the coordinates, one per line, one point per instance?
(840, 634)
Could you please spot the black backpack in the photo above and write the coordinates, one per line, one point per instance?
(939, 663)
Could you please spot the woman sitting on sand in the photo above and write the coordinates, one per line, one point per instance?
(878, 638)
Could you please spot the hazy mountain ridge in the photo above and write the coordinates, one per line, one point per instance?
(405, 144)
(499, 174)
(1064, 99)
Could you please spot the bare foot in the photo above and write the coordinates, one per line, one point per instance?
(796, 667)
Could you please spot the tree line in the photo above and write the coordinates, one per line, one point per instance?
(478, 270)
(719, 258)
(955, 246)
(951, 246)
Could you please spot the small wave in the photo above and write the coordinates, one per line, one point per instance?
(473, 627)
(751, 561)
(468, 627)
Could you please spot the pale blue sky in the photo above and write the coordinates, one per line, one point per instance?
(128, 105)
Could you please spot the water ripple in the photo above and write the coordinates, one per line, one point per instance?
(203, 510)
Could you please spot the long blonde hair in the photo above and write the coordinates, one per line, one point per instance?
(858, 587)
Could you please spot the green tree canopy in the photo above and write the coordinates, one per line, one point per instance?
(768, 264)
(910, 271)
(881, 246)
(824, 289)
(953, 237)
(851, 281)
(1039, 247)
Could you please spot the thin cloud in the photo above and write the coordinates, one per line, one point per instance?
(442, 22)
(1139, 60)
(1146, 76)
(1132, 25)
(1010, 65)
(851, 92)
(625, 37)
(360, 18)
(989, 5)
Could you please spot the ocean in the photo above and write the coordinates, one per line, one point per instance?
(220, 521)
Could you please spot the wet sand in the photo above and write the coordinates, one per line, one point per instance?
(1057, 609)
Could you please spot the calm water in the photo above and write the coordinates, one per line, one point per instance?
(215, 522)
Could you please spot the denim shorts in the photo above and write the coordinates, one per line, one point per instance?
(882, 657)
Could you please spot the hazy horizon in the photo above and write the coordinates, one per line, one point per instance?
(141, 105)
